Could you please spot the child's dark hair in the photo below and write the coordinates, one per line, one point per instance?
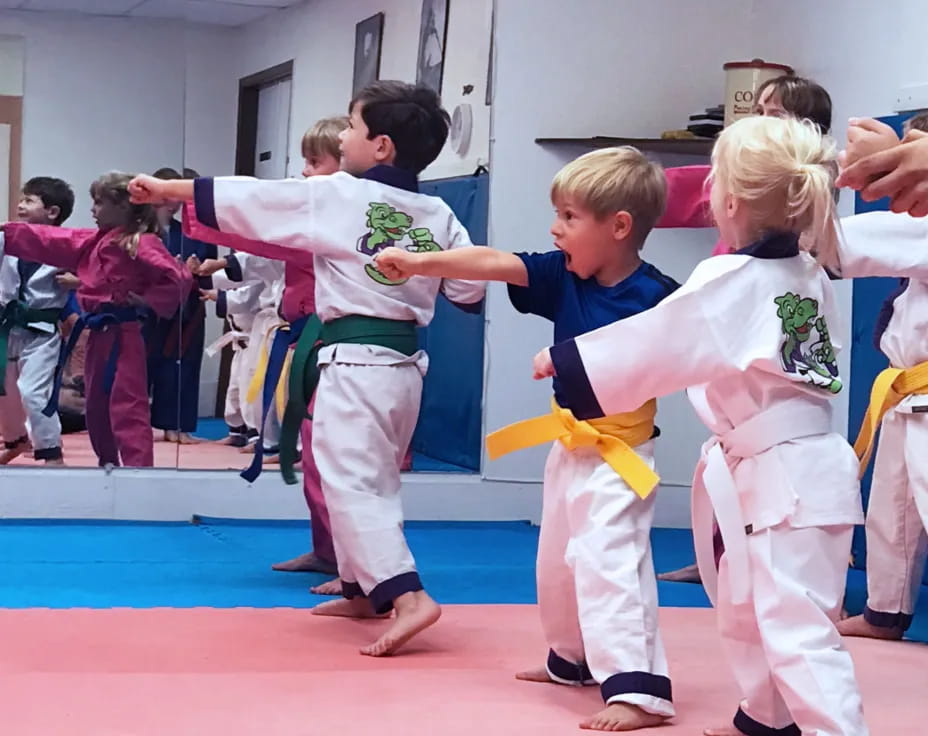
(802, 98)
(167, 173)
(919, 121)
(140, 218)
(412, 117)
(53, 193)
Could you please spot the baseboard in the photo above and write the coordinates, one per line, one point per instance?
(178, 495)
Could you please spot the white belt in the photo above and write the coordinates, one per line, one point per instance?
(233, 338)
(715, 494)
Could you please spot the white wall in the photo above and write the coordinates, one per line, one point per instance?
(100, 94)
(607, 67)
(319, 38)
(12, 54)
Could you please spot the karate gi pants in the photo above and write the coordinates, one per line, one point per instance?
(365, 415)
(30, 377)
(897, 518)
(597, 592)
(796, 677)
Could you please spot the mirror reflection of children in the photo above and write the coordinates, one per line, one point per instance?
(122, 266)
(32, 296)
(176, 344)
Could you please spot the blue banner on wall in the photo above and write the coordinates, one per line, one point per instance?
(451, 418)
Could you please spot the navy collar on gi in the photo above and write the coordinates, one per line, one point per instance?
(774, 244)
(393, 176)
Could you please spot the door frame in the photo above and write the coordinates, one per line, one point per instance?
(246, 143)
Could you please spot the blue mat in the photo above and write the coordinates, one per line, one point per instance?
(222, 564)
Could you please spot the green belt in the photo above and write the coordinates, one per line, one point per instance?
(304, 369)
(17, 314)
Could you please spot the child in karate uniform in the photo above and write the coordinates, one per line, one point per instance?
(32, 298)
(597, 593)
(749, 335)
(370, 377)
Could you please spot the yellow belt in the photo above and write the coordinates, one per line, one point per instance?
(890, 387)
(614, 436)
(256, 386)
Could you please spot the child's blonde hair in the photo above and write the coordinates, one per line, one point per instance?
(139, 219)
(613, 180)
(783, 170)
(322, 138)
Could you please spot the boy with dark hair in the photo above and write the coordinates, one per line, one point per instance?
(369, 366)
(32, 298)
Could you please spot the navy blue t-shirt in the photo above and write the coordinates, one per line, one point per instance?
(578, 305)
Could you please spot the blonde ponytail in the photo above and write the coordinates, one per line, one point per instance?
(783, 170)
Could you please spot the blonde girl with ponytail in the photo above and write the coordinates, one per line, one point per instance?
(751, 336)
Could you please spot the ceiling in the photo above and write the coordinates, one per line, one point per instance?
(215, 12)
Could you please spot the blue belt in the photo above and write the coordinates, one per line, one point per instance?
(109, 315)
(283, 339)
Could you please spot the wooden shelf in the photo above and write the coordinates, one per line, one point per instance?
(687, 146)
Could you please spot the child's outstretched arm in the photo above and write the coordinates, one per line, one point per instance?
(471, 264)
(273, 219)
(55, 246)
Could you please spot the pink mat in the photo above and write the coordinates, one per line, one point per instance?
(238, 672)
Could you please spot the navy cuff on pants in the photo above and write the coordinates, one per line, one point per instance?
(887, 620)
(747, 725)
(49, 453)
(383, 595)
(641, 683)
(568, 671)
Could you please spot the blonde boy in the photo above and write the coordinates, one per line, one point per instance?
(596, 587)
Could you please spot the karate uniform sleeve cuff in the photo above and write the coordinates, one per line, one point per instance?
(234, 268)
(204, 202)
(222, 305)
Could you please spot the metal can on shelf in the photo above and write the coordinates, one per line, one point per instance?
(742, 80)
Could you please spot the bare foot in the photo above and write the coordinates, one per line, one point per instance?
(859, 626)
(415, 612)
(539, 675)
(622, 717)
(11, 453)
(58, 461)
(688, 574)
(272, 459)
(170, 436)
(331, 587)
(349, 608)
(248, 449)
(185, 438)
(306, 563)
(723, 731)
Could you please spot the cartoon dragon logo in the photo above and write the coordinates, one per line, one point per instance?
(815, 361)
(388, 226)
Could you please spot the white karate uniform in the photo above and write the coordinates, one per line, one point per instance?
(368, 396)
(240, 302)
(782, 484)
(32, 356)
(890, 244)
(597, 594)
